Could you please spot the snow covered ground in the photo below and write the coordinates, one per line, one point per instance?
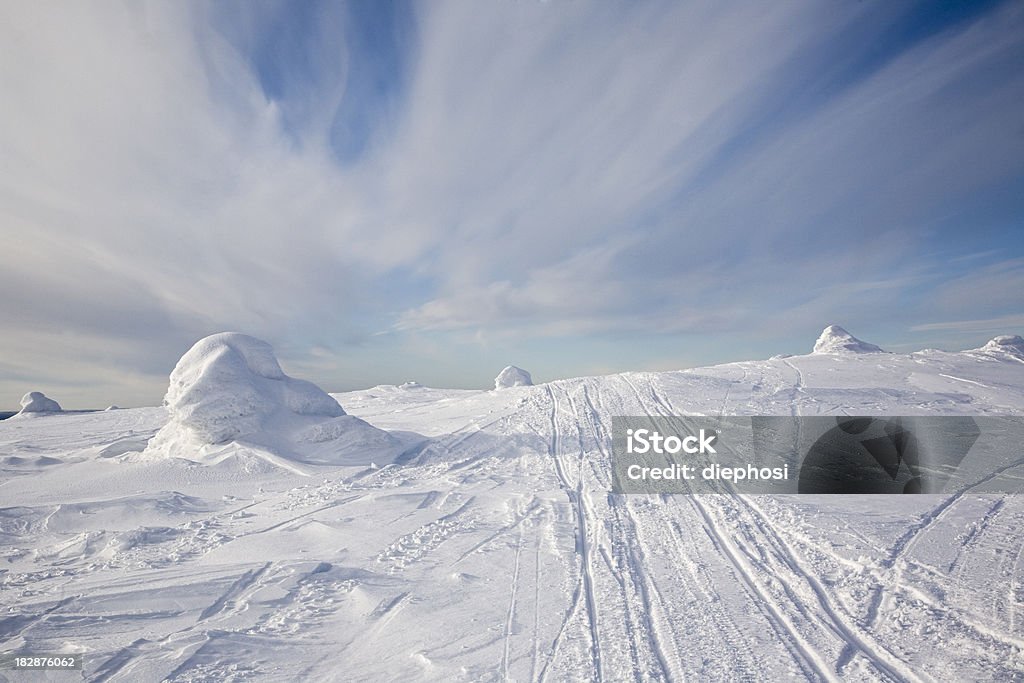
(492, 550)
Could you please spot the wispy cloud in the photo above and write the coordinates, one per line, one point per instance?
(1006, 322)
(516, 173)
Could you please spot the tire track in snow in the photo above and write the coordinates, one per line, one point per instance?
(511, 613)
(858, 640)
(585, 588)
(531, 510)
(728, 391)
(976, 533)
(662, 406)
(806, 651)
(625, 523)
(588, 527)
(896, 585)
(904, 545)
(788, 632)
(1013, 597)
(536, 610)
(798, 388)
(553, 447)
(724, 640)
(633, 624)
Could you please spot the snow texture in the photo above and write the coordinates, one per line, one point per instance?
(512, 376)
(835, 339)
(1010, 345)
(229, 388)
(492, 550)
(229, 385)
(37, 402)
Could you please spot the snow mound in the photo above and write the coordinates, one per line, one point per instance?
(229, 388)
(835, 339)
(512, 376)
(229, 385)
(1009, 344)
(38, 402)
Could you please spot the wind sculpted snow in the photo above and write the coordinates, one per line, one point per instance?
(38, 403)
(231, 405)
(492, 550)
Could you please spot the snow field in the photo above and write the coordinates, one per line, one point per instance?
(492, 550)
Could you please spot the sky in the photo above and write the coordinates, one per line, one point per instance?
(430, 191)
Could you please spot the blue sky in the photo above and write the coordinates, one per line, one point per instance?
(430, 191)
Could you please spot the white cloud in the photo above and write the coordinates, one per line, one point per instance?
(1000, 325)
(552, 169)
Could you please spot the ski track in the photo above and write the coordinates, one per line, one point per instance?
(763, 536)
(841, 624)
(646, 628)
(510, 615)
(651, 632)
(554, 447)
(585, 527)
(659, 404)
(798, 389)
(899, 553)
(1016, 570)
(535, 649)
(810, 656)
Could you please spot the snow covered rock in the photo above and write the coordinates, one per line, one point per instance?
(512, 376)
(229, 385)
(38, 402)
(835, 339)
(229, 389)
(1007, 344)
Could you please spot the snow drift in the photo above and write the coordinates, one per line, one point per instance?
(229, 385)
(229, 389)
(512, 376)
(835, 339)
(38, 402)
